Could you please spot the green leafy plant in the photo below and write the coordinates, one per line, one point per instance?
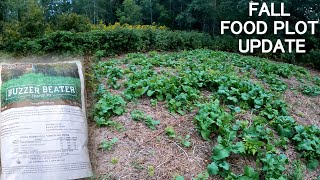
(178, 177)
(202, 176)
(107, 145)
(185, 141)
(312, 164)
(307, 139)
(151, 171)
(310, 90)
(210, 118)
(109, 73)
(296, 170)
(170, 132)
(274, 165)
(249, 173)
(138, 115)
(284, 126)
(108, 106)
(253, 146)
(151, 123)
(316, 80)
(154, 102)
(213, 169)
(114, 160)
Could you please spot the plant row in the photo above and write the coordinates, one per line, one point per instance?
(180, 80)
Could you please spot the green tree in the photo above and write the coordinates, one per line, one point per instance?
(53, 8)
(98, 10)
(2, 10)
(14, 9)
(153, 11)
(72, 22)
(32, 22)
(108, 10)
(129, 12)
(84, 7)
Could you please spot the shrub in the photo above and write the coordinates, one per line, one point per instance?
(120, 39)
(123, 40)
(72, 22)
(59, 41)
(11, 31)
(313, 57)
(225, 43)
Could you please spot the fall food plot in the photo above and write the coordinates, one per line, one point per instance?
(204, 115)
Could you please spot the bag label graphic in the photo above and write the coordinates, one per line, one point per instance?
(43, 122)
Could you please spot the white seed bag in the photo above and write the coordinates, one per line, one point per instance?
(43, 122)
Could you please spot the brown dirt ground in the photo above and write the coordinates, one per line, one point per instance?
(140, 148)
(305, 109)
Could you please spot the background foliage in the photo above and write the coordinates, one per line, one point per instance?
(25, 19)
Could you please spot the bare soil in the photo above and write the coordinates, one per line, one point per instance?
(139, 149)
(142, 153)
(304, 109)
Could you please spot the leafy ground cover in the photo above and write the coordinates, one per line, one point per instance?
(228, 116)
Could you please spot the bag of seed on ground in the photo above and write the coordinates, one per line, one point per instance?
(43, 122)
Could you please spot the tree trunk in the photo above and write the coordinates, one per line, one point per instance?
(151, 12)
(94, 12)
(213, 27)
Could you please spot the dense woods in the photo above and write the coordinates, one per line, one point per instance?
(34, 18)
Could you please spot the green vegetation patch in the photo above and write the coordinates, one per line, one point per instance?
(180, 79)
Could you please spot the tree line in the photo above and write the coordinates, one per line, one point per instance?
(202, 15)
(33, 18)
(175, 14)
